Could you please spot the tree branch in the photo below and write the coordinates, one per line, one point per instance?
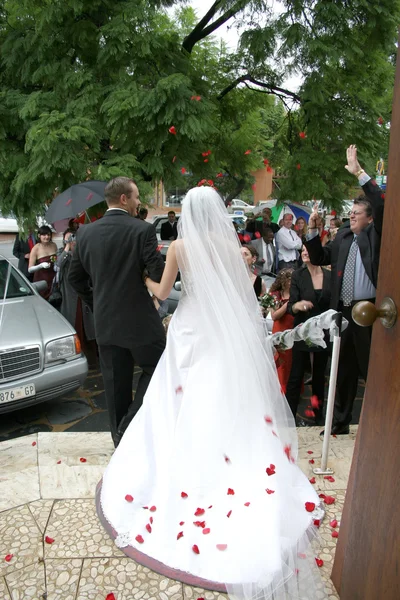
(203, 30)
(270, 89)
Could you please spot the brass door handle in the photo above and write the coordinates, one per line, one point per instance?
(365, 313)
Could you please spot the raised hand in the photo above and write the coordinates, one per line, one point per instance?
(353, 166)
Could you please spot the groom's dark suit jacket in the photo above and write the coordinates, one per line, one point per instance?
(112, 254)
(369, 242)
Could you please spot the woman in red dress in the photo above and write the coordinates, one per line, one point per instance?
(42, 259)
(282, 321)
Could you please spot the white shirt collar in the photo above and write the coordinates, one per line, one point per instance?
(116, 208)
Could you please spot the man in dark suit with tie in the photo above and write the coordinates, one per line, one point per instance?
(112, 253)
(354, 259)
(169, 229)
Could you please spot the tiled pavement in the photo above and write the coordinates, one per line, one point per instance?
(46, 489)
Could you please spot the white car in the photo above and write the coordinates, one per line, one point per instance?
(237, 204)
(8, 224)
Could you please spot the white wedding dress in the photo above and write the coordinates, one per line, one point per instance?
(204, 486)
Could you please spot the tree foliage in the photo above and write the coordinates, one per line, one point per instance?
(91, 89)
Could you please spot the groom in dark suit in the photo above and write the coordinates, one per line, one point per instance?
(112, 254)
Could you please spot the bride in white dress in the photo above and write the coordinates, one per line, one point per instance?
(204, 487)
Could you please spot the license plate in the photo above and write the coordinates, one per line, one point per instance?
(23, 391)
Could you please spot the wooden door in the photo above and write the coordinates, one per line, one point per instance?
(367, 561)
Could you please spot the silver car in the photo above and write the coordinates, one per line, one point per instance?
(40, 352)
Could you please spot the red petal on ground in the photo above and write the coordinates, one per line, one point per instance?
(319, 562)
(333, 523)
(48, 540)
(270, 471)
(329, 500)
(129, 498)
(229, 514)
(231, 492)
(310, 452)
(8, 557)
(82, 459)
(206, 531)
(247, 503)
(270, 491)
(266, 418)
(148, 527)
(151, 520)
(180, 534)
(110, 597)
(222, 547)
(199, 512)
(310, 506)
(335, 534)
(330, 478)
(312, 480)
(195, 549)
(139, 539)
(311, 461)
(33, 443)
(184, 495)
(317, 522)
(153, 508)
(227, 459)
(210, 506)
(59, 462)
(182, 523)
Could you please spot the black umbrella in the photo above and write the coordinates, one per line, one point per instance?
(76, 199)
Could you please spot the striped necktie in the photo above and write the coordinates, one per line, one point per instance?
(348, 275)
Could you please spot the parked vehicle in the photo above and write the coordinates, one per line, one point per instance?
(8, 224)
(237, 204)
(40, 352)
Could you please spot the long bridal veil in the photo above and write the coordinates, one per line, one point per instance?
(243, 416)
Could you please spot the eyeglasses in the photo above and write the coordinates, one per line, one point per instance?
(356, 212)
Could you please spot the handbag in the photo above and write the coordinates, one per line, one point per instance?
(55, 297)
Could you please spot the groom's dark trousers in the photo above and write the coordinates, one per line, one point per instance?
(106, 271)
(117, 368)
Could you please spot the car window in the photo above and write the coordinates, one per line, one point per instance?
(17, 287)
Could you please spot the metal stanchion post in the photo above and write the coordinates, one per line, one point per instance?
(324, 469)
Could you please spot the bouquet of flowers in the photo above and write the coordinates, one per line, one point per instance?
(269, 301)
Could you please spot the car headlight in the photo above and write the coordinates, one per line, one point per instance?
(63, 348)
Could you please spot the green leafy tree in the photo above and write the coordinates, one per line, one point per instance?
(92, 89)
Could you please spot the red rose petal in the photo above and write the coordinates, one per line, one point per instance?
(129, 498)
(317, 522)
(302, 135)
(8, 557)
(172, 130)
(199, 512)
(310, 506)
(110, 597)
(270, 471)
(139, 539)
(321, 495)
(33, 443)
(247, 238)
(48, 540)
(195, 549)
(335, 534)
(210, 506)
(59, 462)
(231, 492)
(257, 235)
(247, 503)
(265, 161)
(270, 491)
(148, 527)
(205, 160)
(182, 523)
(145, 507)
(184, 495)
(180, 534)
(319, 562)
(288, 451)
(153, 509)
(248, 152)
(311, 461)
(229, 514)
(201, 524)
(275, 434)
(222, 547)
(314, 402)
(82, 460)
(220, 175)
(309, 413)
(227, 459)
(329, 500)
(206, 531)
(267, 419)
(183, 170)
(312, 480)
(151, 520)
(68, 202)
(310, 452)
(330, 478)
(333, 523)
(179, 390)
